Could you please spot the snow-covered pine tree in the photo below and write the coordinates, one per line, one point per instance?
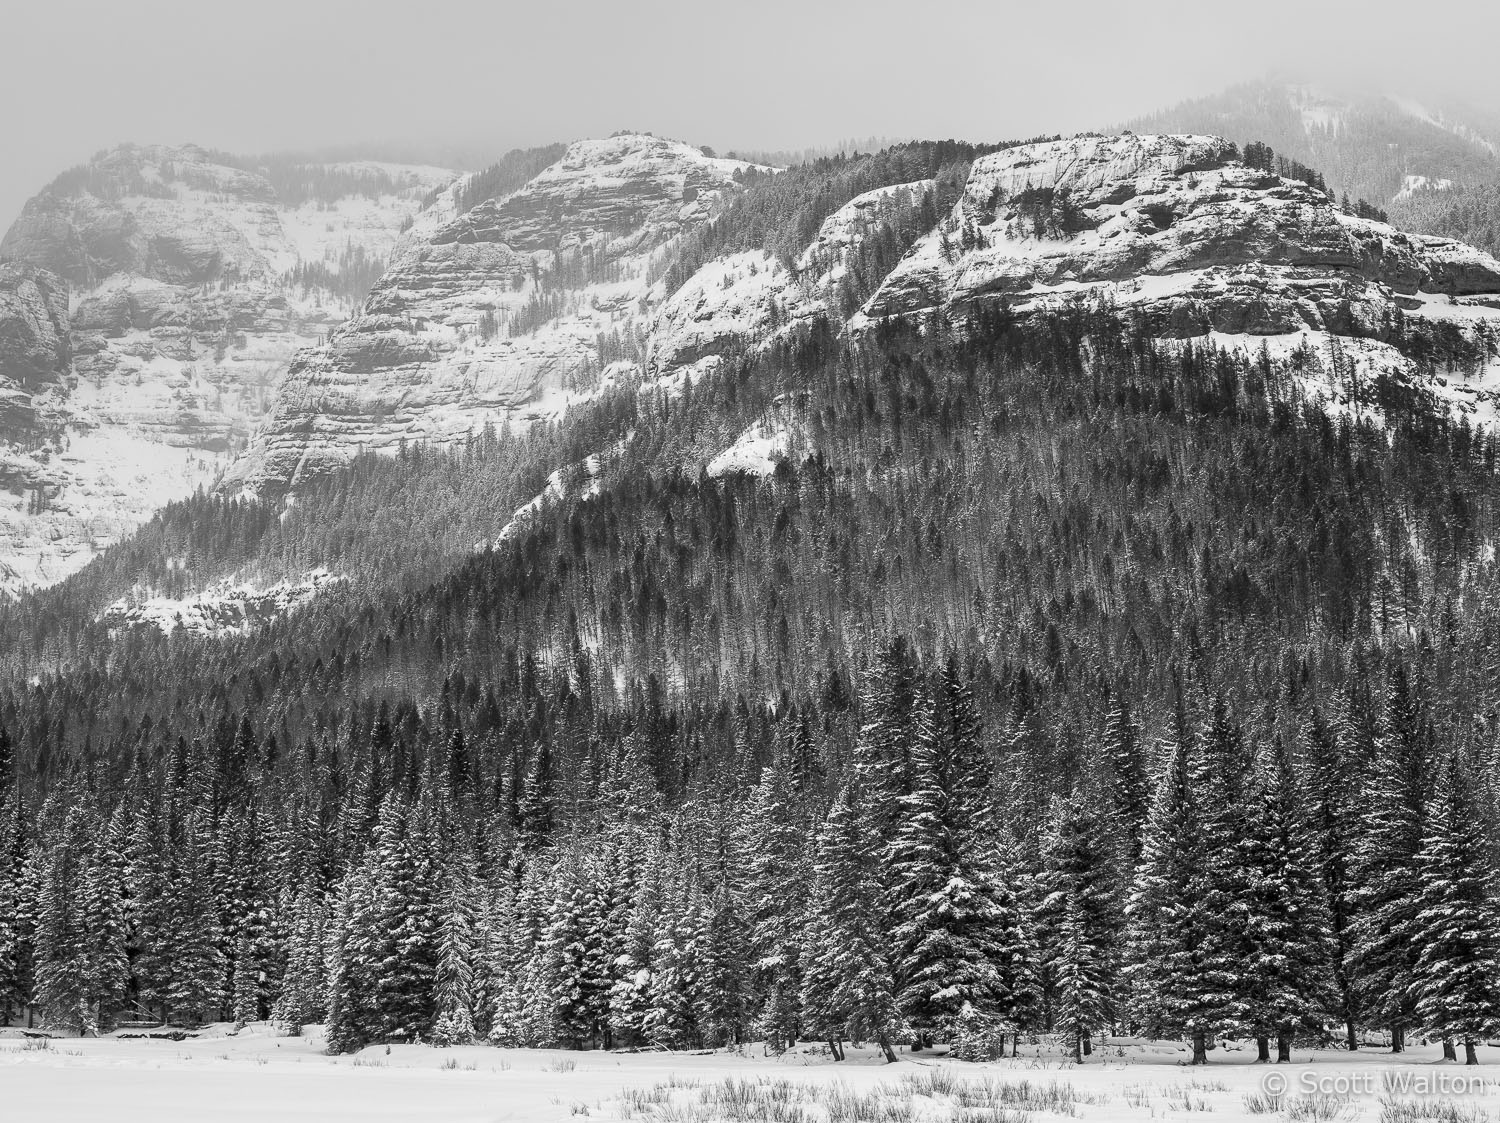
(959, 939)
(630, 992)
(149, 860)
(1387, 882)
(724, 984)
(884, 754)
(1179, 962)
(631, 825)
(62, 967)
(14, 991)
(535, 810)
(847, 989)
(576, 954)
(195, 989)
(1130, 784)
(1456, 930)
(776, 838)
(303, 998)
(1289, 946)
(106, 916)
(454, 981)
(409, 887)
(353, 962)
(1332, 817)
(673, 1017)
(1081, 905)
(244, 985)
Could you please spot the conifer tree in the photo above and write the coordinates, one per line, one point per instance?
(62, 958)
(673, 1017)
(1387, 882)
(630, 991)
(409, 888)
(1129, 783)
(1180, 967)
(847, 990)
(13, 988)
(576, 955)
(353, 962)
(1456, 930)
(1289, 950)
(723, 985)
(454, 981)
(776, 837)
(1332, 825)
(304, 991)
(1082, 907)
(959, 940)
(195, 989)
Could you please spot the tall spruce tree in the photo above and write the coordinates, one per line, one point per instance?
(1387, 881)
(1181, 970)
(959, 939)
(1081, 905)
(847, 989)
(1288, 947)
(1456, 930)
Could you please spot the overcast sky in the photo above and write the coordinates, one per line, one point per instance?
(267, 74)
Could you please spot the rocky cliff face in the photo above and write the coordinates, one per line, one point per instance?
(504, 313)
(1175, 233)
(1171, 232)
(1179, 229)
(153, 300)
(748, 300)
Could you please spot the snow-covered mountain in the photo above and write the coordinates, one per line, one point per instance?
(509, 310)
(153, 300)
(1173, 232)
(504, 313)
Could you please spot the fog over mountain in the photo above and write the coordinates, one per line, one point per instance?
(485, 77)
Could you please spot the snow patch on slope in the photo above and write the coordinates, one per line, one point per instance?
(225, 607)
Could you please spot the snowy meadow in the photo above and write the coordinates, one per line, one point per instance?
(254, 1074)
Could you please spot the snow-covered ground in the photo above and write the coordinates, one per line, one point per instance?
(254, 1075)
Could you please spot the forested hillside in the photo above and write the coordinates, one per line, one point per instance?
(1053, 677)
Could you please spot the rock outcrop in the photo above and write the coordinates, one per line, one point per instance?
(192, 284)
(504, 313)
(1177, 228)
(34, 342)
(747, 300)
(1177, 234)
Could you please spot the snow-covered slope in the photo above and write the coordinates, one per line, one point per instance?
(226, 606)
(1177, 234)
(748, 300)
(506, 312)
(185, 284)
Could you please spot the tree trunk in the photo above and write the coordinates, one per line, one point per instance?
(1398, 1039)
(1262, 1049)
(1200, 1048)
(1078, 1048)
(1350, 1035)
(1088, 1046)
(885, 1047)
(1450, 1053)
(1471, 1055)
(1284, 1046)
